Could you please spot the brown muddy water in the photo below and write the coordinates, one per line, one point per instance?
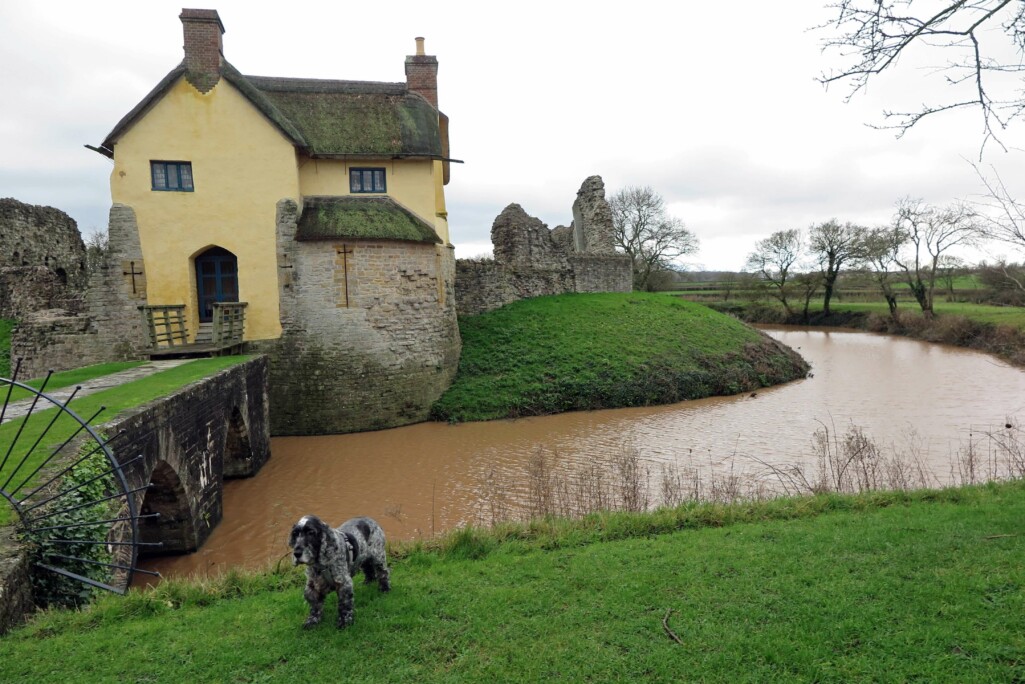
(420, 480)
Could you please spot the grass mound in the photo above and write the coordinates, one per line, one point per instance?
(590, 351)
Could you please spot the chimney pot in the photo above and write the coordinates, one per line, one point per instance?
(420, 46)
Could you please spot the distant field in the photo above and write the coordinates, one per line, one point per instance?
(868, 300)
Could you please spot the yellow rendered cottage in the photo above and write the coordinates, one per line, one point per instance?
(318, 203)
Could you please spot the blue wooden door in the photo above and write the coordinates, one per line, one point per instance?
(216, 280)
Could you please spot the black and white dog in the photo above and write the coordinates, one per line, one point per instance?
(332, 557)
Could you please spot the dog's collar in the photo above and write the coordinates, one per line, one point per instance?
(351, 541)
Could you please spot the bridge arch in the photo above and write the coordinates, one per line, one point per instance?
(238, 452)
(175, 525)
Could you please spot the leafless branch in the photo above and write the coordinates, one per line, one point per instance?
(873, 35)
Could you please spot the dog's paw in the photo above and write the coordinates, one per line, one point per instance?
(311, 622)
(345, 620)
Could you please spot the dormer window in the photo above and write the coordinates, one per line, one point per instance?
(173, 176)
(366, 180)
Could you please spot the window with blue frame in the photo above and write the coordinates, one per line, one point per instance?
(173, 176)
(366, 180)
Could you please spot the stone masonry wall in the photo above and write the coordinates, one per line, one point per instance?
(369, 337)
(191, 430)
(109, 327)
(215, 428)
(42, 236)
(15, 586)
(42, 260)
(531, 261)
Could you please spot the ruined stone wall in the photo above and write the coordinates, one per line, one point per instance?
(532, 261)
(42, 236)
(42, 260)
(106, 327)
(601, 273)
(369, 337)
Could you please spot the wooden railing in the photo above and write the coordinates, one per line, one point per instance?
(229, 323)
(167, 331)
(166, 325)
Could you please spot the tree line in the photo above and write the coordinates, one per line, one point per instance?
(914, 249)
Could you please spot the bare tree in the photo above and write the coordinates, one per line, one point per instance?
(881, 248)
(807, 284)
(648, 234)
(97, 249)
(980, 42)
(930, 233)
(1003, 217)
(949, 268)
(833, 246)
(774, 259)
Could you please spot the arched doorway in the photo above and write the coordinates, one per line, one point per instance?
(216, 280)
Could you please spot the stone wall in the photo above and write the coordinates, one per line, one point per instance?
(531, 261)
(106, 326)
(42, 236)
(215, 428)
(369, 334)
(15, 585)
(190, 442)
(42, 260)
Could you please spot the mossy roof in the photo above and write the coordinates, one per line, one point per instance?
(361, 218)
(325, 117)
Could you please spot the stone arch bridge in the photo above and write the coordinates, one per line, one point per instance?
(191, 441)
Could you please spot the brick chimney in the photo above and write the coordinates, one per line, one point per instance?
(422, 73)
(203, 47)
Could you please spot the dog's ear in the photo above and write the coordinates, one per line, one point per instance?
(293, 537)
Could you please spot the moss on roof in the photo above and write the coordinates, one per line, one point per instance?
(340, 117)
(325, 117)
(364, 218)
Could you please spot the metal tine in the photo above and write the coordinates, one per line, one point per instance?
(82, 578)
(90, 524)
(95, 449)
(56, 416)
(24, 420)
(56, 451)
(106, 565)
(104, 544)
(10, 388)
(87, 503)
(78, 486)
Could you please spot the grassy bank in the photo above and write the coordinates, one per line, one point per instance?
(590, 351)
(991, 329)
(892, 586)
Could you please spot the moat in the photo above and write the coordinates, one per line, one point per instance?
(420, 480)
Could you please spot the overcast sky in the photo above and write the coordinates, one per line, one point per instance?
(715, 105)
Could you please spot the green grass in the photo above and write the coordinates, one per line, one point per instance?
(923, 586)
(69, 378)
(115, 399)
(588, 351)
(1011, 316)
